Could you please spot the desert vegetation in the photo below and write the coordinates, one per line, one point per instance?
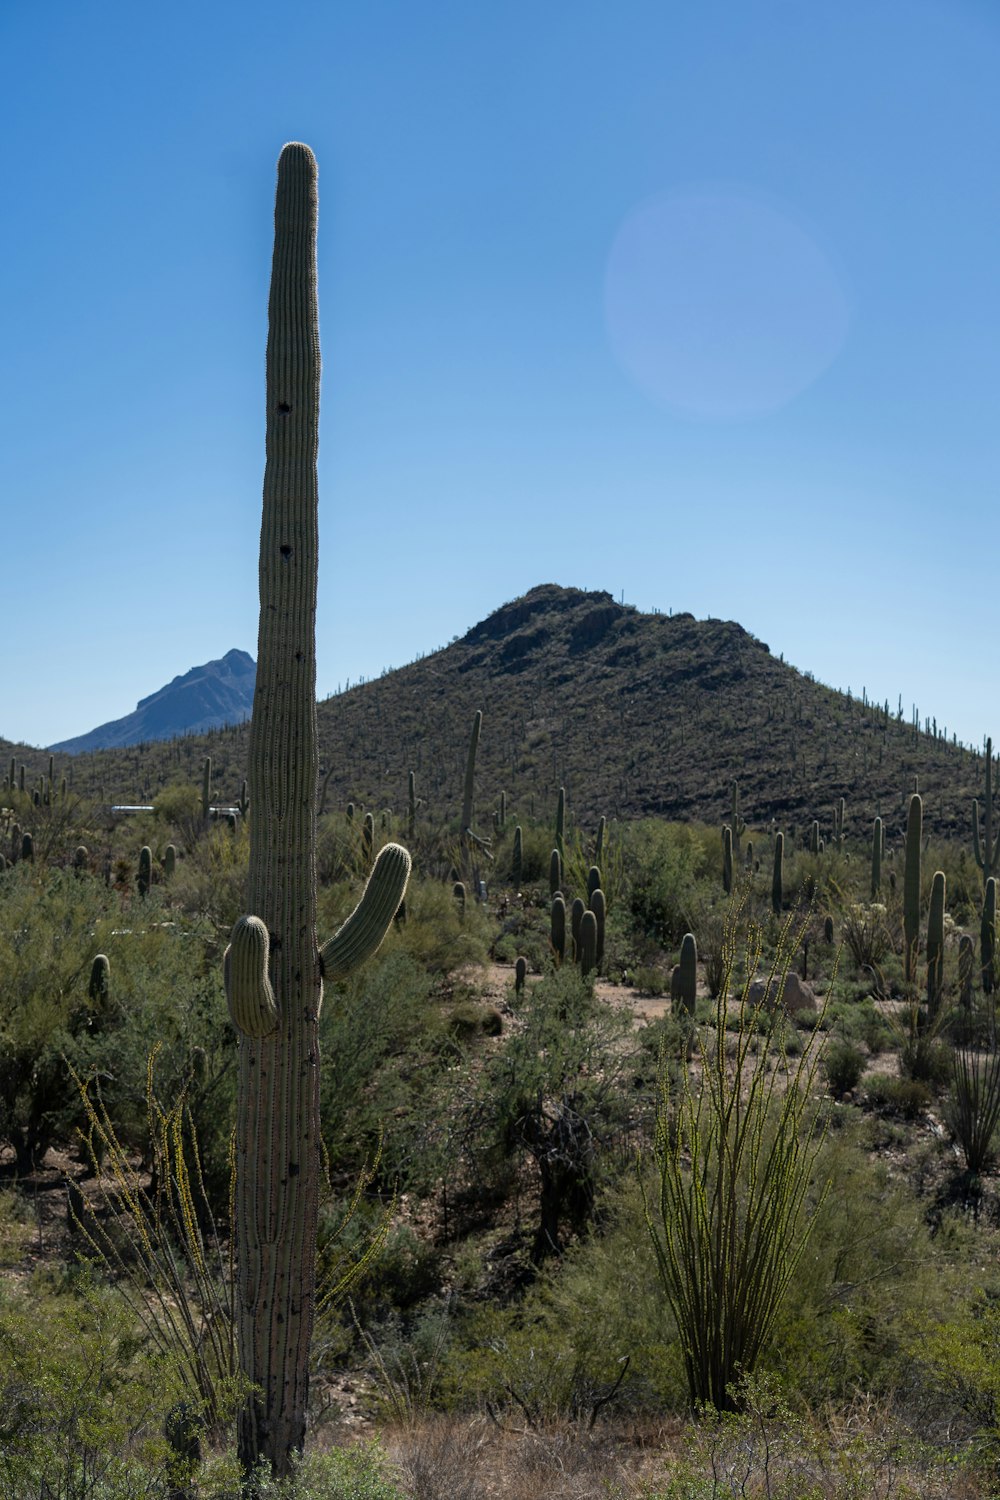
(588, 1155)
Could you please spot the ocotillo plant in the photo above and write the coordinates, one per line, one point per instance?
(935, 943)
(911, 887)
(275, 967)
(966, 970)
(987, 849)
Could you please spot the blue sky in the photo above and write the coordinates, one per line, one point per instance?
(699, 304)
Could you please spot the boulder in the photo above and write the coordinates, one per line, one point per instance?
(798, 996)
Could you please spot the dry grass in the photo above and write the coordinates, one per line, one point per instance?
(860, 1454)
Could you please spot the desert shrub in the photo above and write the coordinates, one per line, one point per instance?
(83, 1405)
(210, 882)
(663, 863)
(843, 1064)
(359, 1473)
(553, 1094)
(866, 934)
(905, 1097)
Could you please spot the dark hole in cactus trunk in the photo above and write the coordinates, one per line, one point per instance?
(286, 551)
(283, 408)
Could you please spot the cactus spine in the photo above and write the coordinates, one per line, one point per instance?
(986, 849)
(911, 886)
(274, 966)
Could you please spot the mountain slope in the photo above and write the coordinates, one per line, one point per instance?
(634, 714)
(217, 693)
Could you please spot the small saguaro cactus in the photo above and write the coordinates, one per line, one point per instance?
(684, 980)
(727, 859)
(558, 928)
(777, 893)
(206, 789)
(368, 840)
(502, 812)
(517, 857)
(986, 848)
(966, 970)
(988, 937)
(144, 879)
(555, 872)
(588, 943)
(81, 858)
(814, 838)
(935, 943)
(520, 975)
(598, 906)
(737, 822)
(243, 801)
(560, 820)
(27, 847)
(99, 984)
(275, 965)
(170, 861)
(469, 790)
(576, 912)
(838, 823)
(593, 881)
(911, 887)
(877, 837)
(458, 891)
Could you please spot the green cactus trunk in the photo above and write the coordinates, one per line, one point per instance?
(684, 983)
(988, 937)
(517, 857)
(274, 967)
(935, 943)
(727, 859)
(876, 859)
(911, 887)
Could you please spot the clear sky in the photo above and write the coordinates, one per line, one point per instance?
(697, 303)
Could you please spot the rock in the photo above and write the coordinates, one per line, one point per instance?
(798, 996)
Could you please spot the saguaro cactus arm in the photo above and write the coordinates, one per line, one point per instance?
(252, 1006)
(362, 933)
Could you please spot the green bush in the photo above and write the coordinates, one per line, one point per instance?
(843, 1064)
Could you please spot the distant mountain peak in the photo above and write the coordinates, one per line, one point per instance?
(206, 697)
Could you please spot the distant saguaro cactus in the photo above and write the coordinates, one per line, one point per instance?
(727, 859)
(684, 985)
(517, 857)
(555, 872)
(737, 822)
(986, 849)
(598, 906)
(911, 887)
(206, 789)
(144, 879)
(520, 974)
(877, 837)
(561, 821)
(274, 965)
(935, 942)
(99, 985)
(169, 861)
(558, 928)
(588, 943)
(988, 937)
(777, 893)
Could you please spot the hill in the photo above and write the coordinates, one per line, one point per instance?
(635, 714)
(206, 697)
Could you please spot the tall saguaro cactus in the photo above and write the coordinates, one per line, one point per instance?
(274, 965)
(986, 848)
